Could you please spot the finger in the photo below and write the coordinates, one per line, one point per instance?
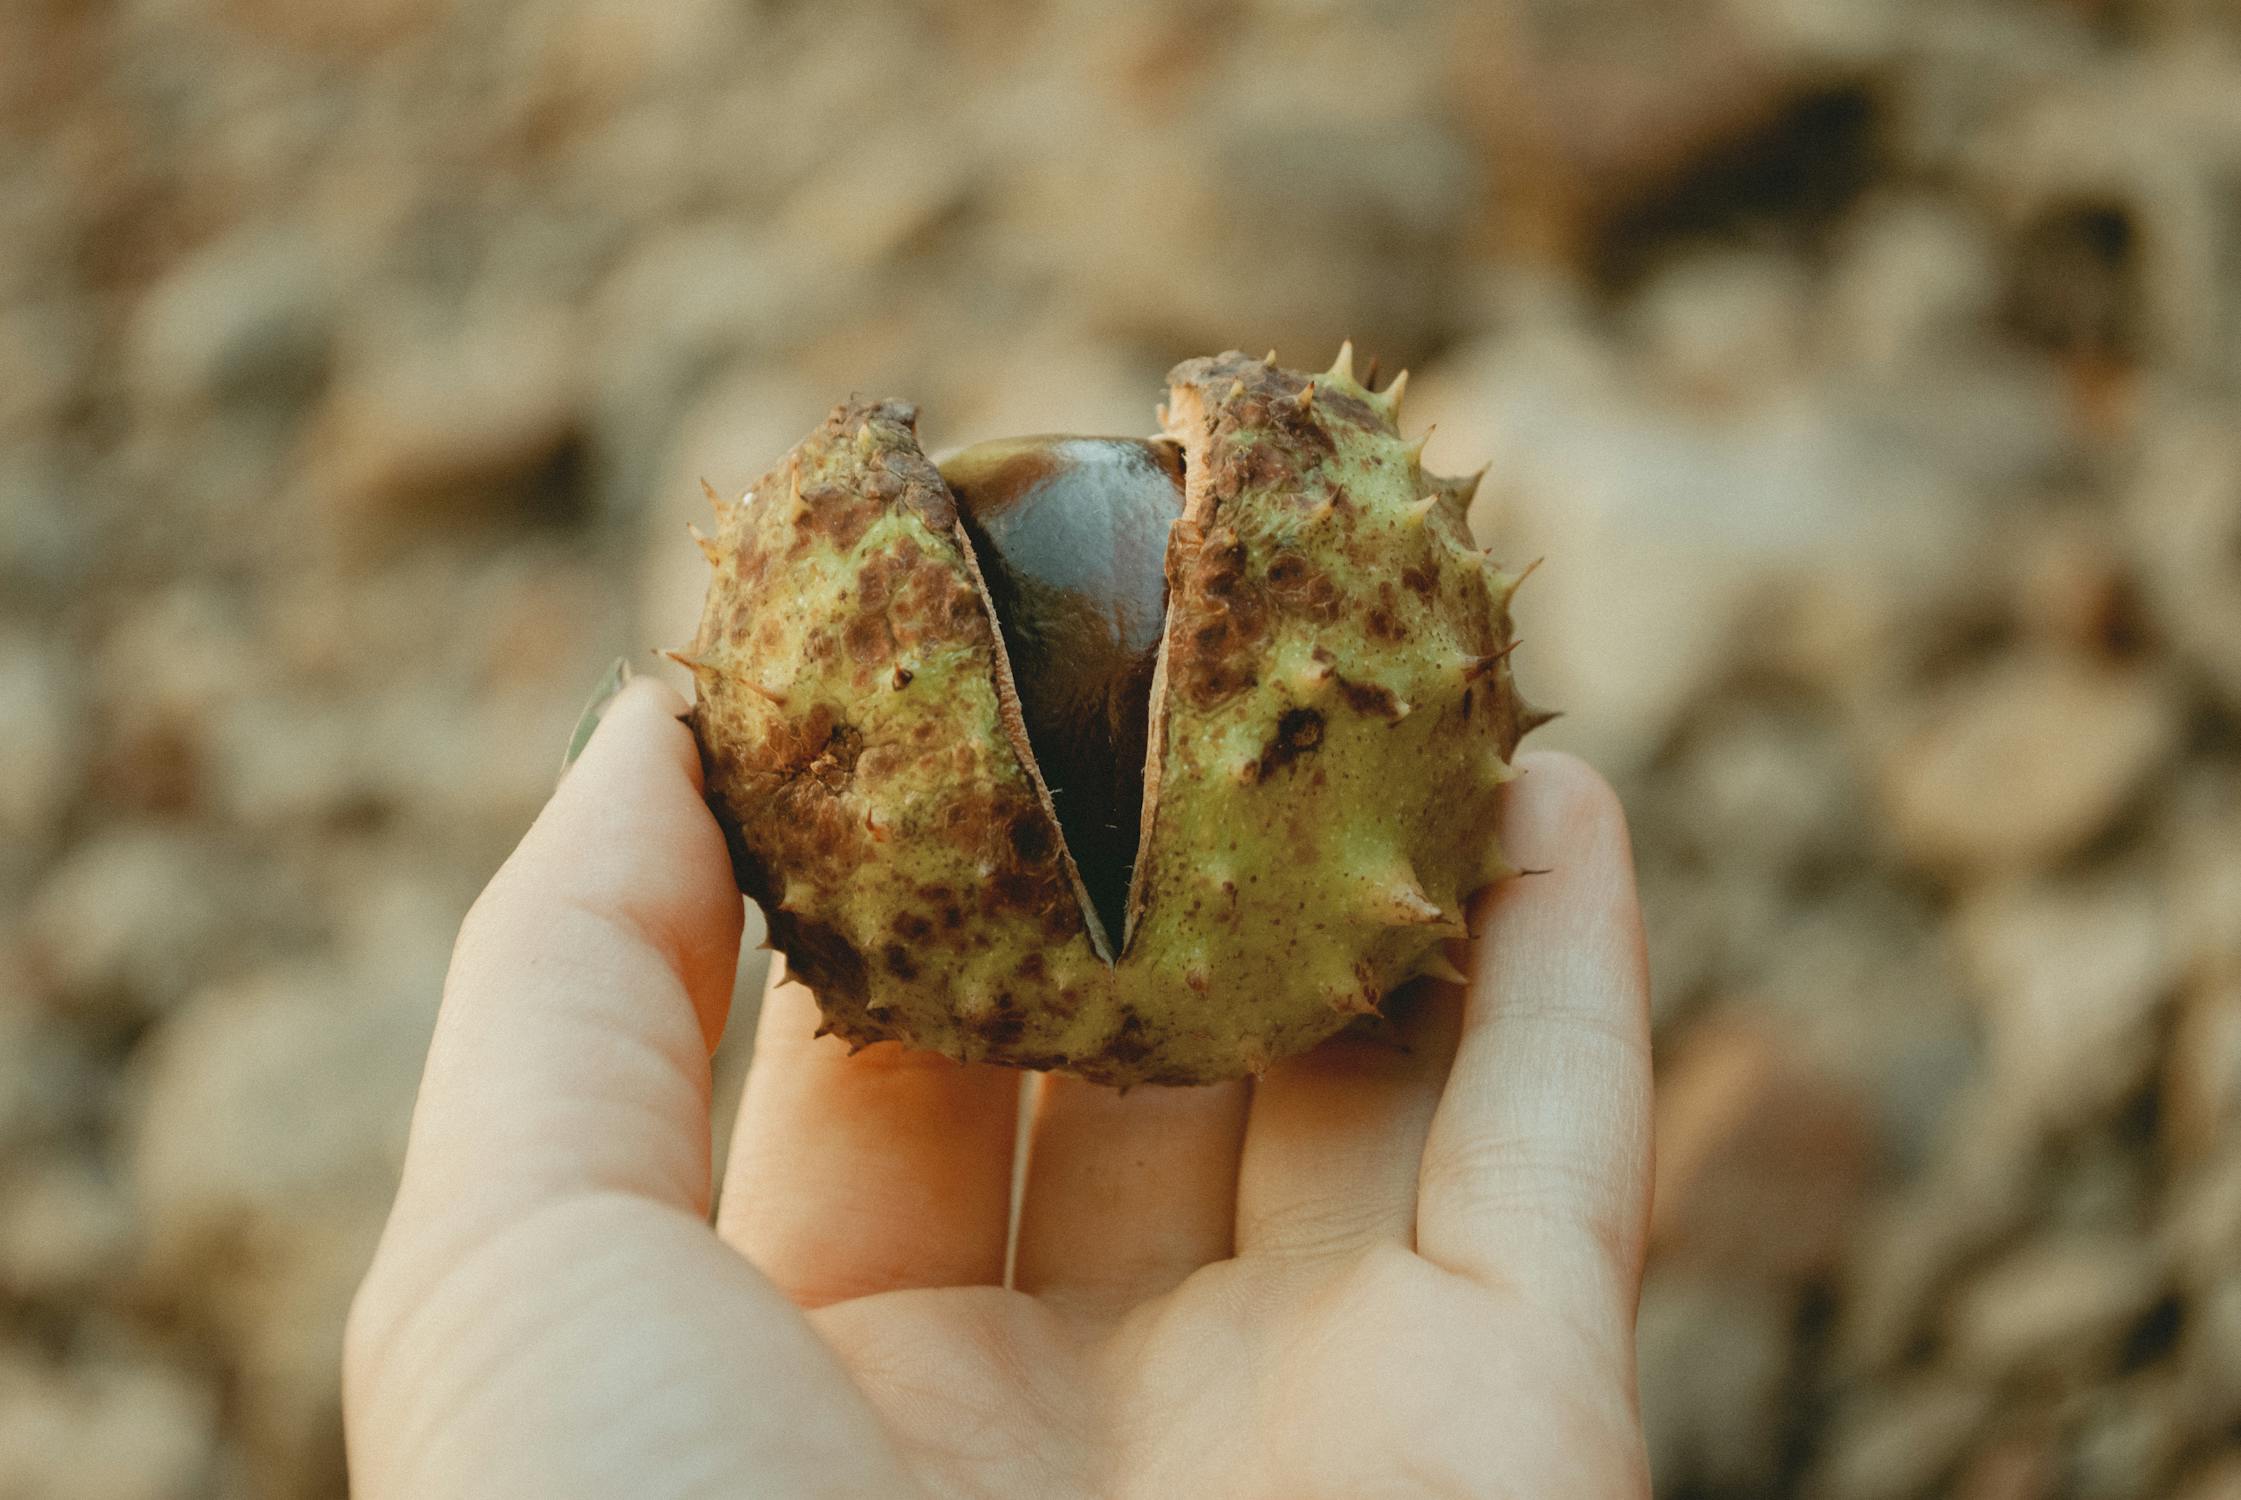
(589, 981)
(1536, 1173)
(871, 1172)
(1128, 1192)
(1336, 1136)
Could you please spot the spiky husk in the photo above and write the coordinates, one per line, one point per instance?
(1333, 715)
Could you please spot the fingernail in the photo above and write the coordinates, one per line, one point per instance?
(617, 677)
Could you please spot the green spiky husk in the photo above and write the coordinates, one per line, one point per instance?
(1333, 716)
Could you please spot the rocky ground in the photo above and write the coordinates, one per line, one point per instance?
(1866, 369)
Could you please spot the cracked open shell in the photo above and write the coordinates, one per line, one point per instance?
(1332, 714)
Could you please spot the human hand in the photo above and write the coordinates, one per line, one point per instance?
(1381, 1270)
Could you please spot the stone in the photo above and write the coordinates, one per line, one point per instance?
(1713, 1358)
(2073, 588)
(2201, 1221)
(167, 668)
(1672, 527)
(2209, 1356)
(47, 524)
(43, 752)
(2060, 1306)
(1977, 1192)
(1763, 1162)
(1914, 275)
(2201, 1102)
(2215, 1478)
(1857, 979)
(692, 312)
(2074, 977)
(1277, 214)
(1901, 1441)
(50, 1083)
(2183, 516)
(1761, 785)
(2023, 761)
(248, 318)
(1723, 328)
(105, 1430)
(439, 430)
(2202, 823)
(270, 1100)
(1704, 932)
(2017, 1468)
(132, 918)
(65, 1230)
(2128, 1430)
(46, 355)
(264, 1145)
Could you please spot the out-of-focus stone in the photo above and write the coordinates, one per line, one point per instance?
(49, 1082)
(133, 917)
(1278, 215)
(2217, 1478)
(47, 530)
(2202, 1071)
(2011, 1469)
(1713, 1358)
(1605, 162)
(685, 306)
(1913, 282)
(46, 353)
(2073, 588)
(1762, 1161)
(352, 29)
(65, 1230)
(2073, 977)
(2017, 1468)
(883, 190)
(2183, 511)
(2127, 1432)
(2203, 823)
(1900, 1442)
(1719, 329)
(1671, 528)
(266, 1102)
(2209, 1358)
(1770, 787)
(105, 1430)
(2055, 1305)
(2201, 1225)
(166, 667)
(266, 1141)
(1704, 932)
(2024, 761)
(1859, 983)
(452, 428)
(249, 318)
(42, 748)
(1060, 380)
(2113, 213)
(1981, 1193)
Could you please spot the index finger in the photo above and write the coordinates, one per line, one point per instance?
(589, 982)
(1537, 1170)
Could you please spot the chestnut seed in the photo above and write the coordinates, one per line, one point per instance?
(1071, 537)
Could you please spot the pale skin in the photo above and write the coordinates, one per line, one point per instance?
(1397, 1267)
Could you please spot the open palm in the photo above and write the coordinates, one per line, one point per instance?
(1402, 1265)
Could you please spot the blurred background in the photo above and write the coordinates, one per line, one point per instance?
(1865, 369)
